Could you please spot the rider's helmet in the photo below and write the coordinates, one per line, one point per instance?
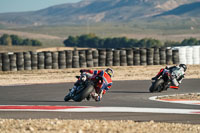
(183, 66)
(110, 72)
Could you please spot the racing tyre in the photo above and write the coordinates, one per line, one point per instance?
(67, 97)
(157, 86)
(84, 93)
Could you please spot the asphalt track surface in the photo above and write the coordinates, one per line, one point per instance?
(122, 94)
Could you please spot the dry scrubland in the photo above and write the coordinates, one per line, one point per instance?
(68, 75)
(90, 126)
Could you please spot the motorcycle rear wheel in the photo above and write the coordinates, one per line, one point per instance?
(157, 86)
(84, 93)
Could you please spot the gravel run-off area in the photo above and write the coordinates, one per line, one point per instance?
(92, 126)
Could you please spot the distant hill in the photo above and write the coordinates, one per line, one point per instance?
(189, 10)
(103, 11)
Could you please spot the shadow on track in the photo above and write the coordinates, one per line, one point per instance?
(128, 92)
(41, 101)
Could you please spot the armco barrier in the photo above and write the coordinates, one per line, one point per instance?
(88, 58)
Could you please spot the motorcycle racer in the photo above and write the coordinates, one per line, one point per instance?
(176, 73)
(104, 81)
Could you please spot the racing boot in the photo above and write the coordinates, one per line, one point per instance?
(154, 78)
(88, 97)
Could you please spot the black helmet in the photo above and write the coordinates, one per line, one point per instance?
(183, 66)
(110, 72)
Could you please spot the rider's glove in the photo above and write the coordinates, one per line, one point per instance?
(83, 77)
(154, 78)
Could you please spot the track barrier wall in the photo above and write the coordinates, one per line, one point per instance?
(189, 54)
(95, 58)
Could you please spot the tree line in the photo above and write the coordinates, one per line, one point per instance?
(10, 40)
(93, 41)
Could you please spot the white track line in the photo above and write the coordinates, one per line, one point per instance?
(181, 101)
(108, 109)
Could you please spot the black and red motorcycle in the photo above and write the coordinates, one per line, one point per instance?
(162, 83)
(84, 87)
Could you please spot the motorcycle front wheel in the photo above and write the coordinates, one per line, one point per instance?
(84, 93)
(67, 97)
(157, 86)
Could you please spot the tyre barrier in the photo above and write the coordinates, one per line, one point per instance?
(136, 57)
(116, 58)
(163, 56)
(0, 62)
(169, 57)
(143, 57)
(68, 59)
(95, 55)
(150, 55)
(34, 60)
(89, 58)
(41, 60)
(54, 60)
(82, 59)
(5, 62)
(129, 53)
(109, 57)
(94, 58)
(20, 61)
(102, 57)
(48, 60)
(188, 54)
(123, 58)
(27, 61)
(156, 58)
(13, 62)
(75, 59)
(61, 59)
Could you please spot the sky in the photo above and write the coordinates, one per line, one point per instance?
(29, 5)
